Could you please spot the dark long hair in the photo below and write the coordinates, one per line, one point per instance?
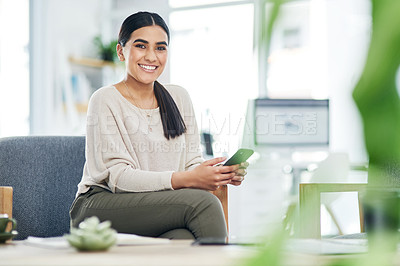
(172, 121)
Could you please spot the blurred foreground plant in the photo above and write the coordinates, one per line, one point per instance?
(92, 235)
(378, 101)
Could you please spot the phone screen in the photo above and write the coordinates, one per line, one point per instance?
(240, 156)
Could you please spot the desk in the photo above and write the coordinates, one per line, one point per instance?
(179, 252)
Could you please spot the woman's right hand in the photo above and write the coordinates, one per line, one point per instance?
(205, 176)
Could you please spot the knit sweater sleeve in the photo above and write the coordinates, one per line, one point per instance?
(109, 158)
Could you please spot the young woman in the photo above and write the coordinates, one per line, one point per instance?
(144, 171)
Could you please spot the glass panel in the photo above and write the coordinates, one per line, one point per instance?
(14, 67)
(186, 3)
(297, 62)
(213, 59)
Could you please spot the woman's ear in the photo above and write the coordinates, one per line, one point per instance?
(120, 53)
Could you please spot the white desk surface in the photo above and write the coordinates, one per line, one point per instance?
(178, 252)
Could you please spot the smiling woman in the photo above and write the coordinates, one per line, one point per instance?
(144, 51)
(145, 54)
(142, 136)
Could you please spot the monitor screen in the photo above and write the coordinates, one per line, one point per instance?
(291, 122)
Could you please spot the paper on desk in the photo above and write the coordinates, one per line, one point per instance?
(327, 246)
(122, 240)
(131, 239)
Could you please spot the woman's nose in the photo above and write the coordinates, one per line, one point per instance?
(150, 55)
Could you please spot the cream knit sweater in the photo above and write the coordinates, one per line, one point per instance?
(126, 151)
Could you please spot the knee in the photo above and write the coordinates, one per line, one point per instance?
(206, 218)
(202, 199)
(210, 199)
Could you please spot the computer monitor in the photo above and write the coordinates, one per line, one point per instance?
(291, 122)
(287, 123)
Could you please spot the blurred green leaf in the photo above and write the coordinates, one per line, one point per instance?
(106, 51)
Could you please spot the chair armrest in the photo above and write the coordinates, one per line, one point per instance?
(310, 204)
(6, 200)
(222, 194)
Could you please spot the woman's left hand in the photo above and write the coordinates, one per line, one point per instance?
(240, 173)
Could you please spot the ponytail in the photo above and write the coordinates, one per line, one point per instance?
(171, 118)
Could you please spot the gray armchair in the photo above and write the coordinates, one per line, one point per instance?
(44, 172)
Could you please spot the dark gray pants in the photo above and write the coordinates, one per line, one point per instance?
(179, 214)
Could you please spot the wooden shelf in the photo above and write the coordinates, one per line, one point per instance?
(90, 62)
(80, 107)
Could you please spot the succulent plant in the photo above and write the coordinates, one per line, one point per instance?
(92, 235)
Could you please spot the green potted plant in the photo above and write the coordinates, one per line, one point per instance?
(107, 51)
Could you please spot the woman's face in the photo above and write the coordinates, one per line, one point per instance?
(145, 54)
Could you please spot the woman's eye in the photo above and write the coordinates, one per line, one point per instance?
(161, 48)
(140, 46)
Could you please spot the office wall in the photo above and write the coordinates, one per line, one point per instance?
(58, 29)
(349, 31)
(14, 67)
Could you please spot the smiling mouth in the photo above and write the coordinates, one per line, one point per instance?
(147, 67)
